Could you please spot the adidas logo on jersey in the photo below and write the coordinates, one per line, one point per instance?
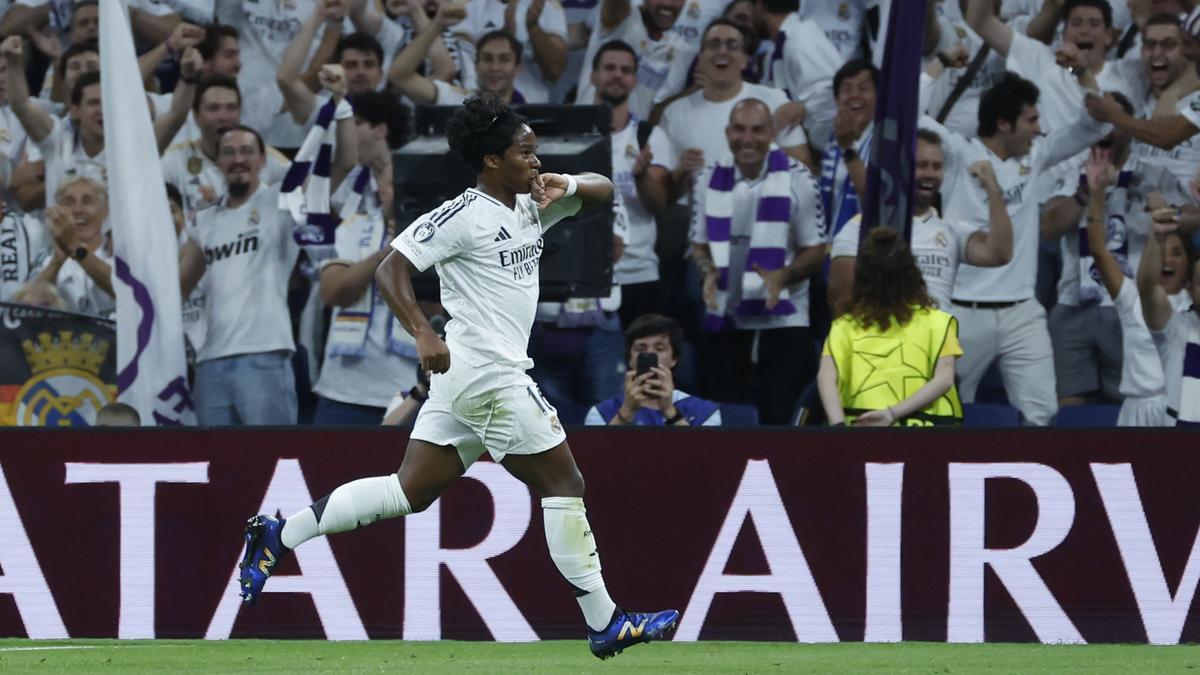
(503, 236)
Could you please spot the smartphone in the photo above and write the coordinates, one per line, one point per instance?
(646, 361)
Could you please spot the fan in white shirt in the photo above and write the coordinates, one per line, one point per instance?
(243, 371)
(842, 20)
(938, 244)
(802, 64)
(1064, 75)
(497, 63)
(998, 314)
(691, 135)
(647, 28)
(76, 147)
(1166, 134)
(540, 26)
(1143, 385)
(191, 166)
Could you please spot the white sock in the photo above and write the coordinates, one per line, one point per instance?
(352, 505)
(573, 549)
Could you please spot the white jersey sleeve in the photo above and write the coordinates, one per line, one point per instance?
(845, 244)
(436, 236)
(559, 210)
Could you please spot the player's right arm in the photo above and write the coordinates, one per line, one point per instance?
(394, 277)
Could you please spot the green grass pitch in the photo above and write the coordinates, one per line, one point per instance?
(300, 656)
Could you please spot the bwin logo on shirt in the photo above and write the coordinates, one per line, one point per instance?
(245, 243)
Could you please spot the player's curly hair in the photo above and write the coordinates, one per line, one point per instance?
(888, 285)
(483, 126)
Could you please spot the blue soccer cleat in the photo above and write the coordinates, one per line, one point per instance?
(631, 628)
(264, 550)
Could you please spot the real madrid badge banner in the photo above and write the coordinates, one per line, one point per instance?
(57, 369)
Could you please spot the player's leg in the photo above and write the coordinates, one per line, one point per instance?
(438, 449)
(554, 475)
(425, 473)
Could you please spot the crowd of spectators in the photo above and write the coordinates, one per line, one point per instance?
(1057, 197)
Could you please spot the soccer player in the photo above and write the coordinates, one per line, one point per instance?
(486, 245)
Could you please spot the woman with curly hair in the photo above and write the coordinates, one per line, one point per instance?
(486, 245)
(889, 358)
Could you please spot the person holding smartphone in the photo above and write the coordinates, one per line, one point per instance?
(652, 343)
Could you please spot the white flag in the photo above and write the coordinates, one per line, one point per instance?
(151, 366)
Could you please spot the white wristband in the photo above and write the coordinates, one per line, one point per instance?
(344, 110)
(572, 184)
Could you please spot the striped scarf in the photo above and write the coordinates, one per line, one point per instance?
(768, 238)
(840, 201)
(305, 191)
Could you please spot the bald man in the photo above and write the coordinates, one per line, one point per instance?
(756, 239)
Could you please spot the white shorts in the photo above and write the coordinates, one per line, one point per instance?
(492, 407)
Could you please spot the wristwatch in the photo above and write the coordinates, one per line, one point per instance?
(80, 253)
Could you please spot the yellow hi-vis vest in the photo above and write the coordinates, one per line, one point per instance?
(877, 370)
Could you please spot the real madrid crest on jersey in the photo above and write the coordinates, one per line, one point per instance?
(195, 165)
(630, 151)
(1024, 170)
(693, 10)
(844, 11)
(941, 240)
(255, 219)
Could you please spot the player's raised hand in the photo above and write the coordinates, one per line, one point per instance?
(433, 352)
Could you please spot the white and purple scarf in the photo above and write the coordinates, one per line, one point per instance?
(768, 238)
(1189, 386)
(306, 186)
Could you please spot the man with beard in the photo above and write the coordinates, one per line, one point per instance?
(648, 29)
(938, 244)
(1079, 63)
(497, 62)
(244, 371)
(614, 75)
(191, 166)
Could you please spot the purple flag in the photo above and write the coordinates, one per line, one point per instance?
(890, 174)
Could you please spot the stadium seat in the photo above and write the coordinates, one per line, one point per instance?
(734, 415)
(990, 415)
(1087, 416)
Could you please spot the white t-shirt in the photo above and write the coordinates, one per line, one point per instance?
(12, 140)
(65, 158)
(187, 167)
(696, 122)
(1183, 159)
(655, 59)
(1172, 344)
(487, 258)
(81, 293)
(694, 18)
(1141, 367)
(265, 28)
(373, 378)
(250, 254)
(807, 219)
(964, 116)
(842, 21)
(937, 245)
(804, 71)
(639, 263)
(966, 202)
(485, 16)
(24, 242)
(1061, 95)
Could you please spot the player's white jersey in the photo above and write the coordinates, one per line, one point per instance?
(487, 257)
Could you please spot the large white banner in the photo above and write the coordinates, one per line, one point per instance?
(151, 365)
